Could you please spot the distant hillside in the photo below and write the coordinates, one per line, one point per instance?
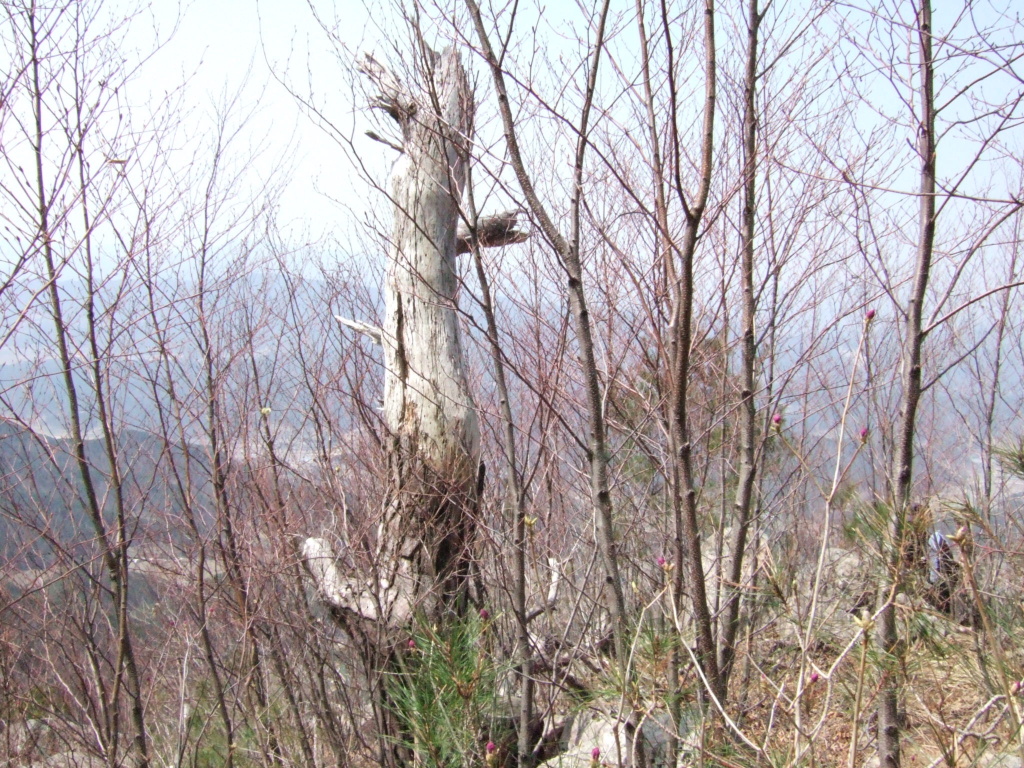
(42, 496)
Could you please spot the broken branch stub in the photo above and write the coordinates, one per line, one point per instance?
(392, 95)
(490, 232)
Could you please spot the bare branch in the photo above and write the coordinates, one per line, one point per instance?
(378, 138)
(369, 330)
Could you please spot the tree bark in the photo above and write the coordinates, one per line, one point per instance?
(427, 526)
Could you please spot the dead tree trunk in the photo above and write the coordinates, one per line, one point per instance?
(421, 571)
(426, 532)
(426, 528)
(434, 453)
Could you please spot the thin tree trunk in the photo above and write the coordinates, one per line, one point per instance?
(515, 499)
(667, 258)
(748, 410)
(688, 548)
(113, 546)
(888, 701)
(568, 250)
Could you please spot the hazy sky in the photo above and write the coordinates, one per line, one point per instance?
(221, 46)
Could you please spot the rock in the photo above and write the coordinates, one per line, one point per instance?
(1003, 760)
(34, 739)
(596, 728)
(846, 589)
(590, 729)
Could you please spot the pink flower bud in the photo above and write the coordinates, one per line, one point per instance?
(869, 315)
(490, 747)
(595, 754)
(661, 562)
(412, 644)
(864, 434)
(814, 678)
(485, 615)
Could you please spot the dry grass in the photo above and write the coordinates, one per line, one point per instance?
(955, 715)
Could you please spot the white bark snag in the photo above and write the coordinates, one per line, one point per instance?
(427, 527)
(435, 448)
